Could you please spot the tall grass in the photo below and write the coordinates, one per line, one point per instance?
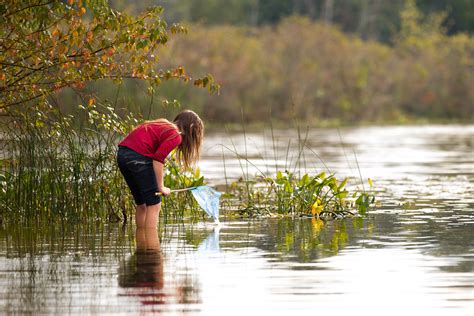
(54, 167)
(63, 167)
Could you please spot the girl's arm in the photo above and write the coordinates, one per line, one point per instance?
(158, 168)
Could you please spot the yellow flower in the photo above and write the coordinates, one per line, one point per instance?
(317, 207)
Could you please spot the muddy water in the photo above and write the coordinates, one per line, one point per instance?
(413, 254)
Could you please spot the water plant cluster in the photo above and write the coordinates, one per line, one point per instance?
(295, 191)
(320, 196)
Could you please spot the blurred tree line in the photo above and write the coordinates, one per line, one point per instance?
(306, 69)
(370, 19)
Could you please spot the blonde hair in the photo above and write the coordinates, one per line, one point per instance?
(192, 133)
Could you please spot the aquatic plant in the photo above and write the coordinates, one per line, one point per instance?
(180, 204)
(318, 195)
(58, 166)
(53, 166)
(293, 191)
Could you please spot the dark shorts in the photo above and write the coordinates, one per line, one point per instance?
(139, 175)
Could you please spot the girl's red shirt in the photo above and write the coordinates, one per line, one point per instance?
(154, 140)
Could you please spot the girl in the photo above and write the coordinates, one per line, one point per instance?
(142, 153)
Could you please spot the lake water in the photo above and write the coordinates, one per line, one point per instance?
(412, 254)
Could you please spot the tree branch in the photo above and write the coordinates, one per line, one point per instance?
(28, 7)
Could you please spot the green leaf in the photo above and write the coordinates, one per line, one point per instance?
(279, 175)
(304, 180)
(370, 182)
(288, 188)
(342, 194)
(343, 184)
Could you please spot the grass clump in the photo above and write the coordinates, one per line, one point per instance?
(320, 195)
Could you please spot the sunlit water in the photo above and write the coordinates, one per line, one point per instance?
(413, 254)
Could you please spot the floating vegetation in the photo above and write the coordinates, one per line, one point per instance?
(319, 196)
(291, 193)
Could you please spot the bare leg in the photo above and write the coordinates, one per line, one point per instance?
(153, 247)
(140, 236)
(147, 238)
(152, 240)
(140, 215)
(149, 258)
(152, 214)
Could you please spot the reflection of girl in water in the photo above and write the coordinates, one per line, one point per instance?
(144, 270)
(142, 275)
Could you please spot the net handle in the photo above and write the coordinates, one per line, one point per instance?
(177, 190)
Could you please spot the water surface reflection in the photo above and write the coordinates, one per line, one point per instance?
(142, 276)
(143, 271)
(414, 254)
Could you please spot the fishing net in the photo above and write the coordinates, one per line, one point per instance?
(208, 200)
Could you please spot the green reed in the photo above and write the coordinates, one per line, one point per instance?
(54, 167)
(58, 166)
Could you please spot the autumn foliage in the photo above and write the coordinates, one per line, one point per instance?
(296, 69)
(46, 46)
(312, 71)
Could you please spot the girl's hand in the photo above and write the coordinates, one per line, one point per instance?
(165, 191)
